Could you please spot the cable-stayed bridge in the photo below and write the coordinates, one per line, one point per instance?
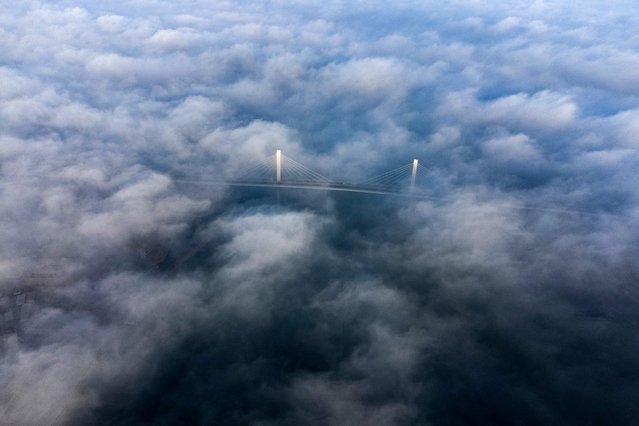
(281, 171)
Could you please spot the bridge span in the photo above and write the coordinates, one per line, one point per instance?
(280, 171)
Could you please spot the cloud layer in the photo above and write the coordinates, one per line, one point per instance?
(509, 296)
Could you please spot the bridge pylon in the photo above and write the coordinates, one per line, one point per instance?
(278, 166)
(413, 174)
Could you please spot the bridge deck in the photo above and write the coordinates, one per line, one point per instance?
(322, 186)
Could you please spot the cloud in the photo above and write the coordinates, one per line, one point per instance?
(542, 111)
(130, 296)
(507, 24)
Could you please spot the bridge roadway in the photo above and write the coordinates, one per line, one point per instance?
(362, 189)
(321, 186)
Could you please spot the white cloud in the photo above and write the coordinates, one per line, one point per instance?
(510, 106)
(507, 24)
(517, 149)
(543, 111)
(111, 23)
(172, 39)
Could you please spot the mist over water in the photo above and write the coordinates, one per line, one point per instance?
(507, 295)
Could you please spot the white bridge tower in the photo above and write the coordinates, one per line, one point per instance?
(278, 166)
(413, 175)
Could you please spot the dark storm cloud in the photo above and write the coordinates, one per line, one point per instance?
(128, 297)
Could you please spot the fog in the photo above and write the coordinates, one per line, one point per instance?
(507, 294)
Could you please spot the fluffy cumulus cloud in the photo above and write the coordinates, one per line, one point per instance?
(134, 290)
